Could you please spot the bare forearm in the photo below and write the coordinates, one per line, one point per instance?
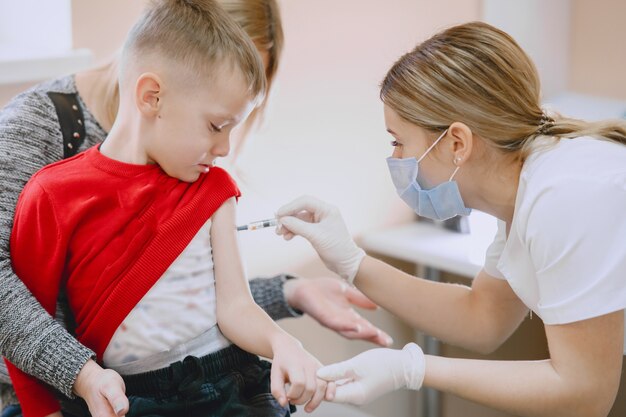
(453, 313)
(524, 388)
(441, 310)
(257, 333)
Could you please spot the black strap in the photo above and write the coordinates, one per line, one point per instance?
(71, 121)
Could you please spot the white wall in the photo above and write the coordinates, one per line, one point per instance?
(46, 33)
(542, 29)
(598, 55)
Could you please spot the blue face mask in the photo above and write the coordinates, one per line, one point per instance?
(438, 203)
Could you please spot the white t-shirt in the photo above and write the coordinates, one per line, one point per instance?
(179, 307)
(565, 256)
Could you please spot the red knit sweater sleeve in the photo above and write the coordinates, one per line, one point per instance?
(38, 257)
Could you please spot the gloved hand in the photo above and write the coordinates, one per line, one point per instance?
(374, 373)
(322, 225)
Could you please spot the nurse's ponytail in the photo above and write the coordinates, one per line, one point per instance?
(565, 127)
(477, 74)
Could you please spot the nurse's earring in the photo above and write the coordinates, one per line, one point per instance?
(456, 161)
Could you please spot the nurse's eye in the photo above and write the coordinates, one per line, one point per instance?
(214, 128)
(395, 143)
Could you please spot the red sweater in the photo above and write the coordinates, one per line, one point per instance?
(106, 231)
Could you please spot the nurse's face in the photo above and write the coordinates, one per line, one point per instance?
(412, 141)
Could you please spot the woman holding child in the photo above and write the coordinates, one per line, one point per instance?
(31, 138)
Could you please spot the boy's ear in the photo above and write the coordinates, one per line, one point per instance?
(148, 92)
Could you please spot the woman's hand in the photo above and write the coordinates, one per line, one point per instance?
(330, 301)
(374, 373)
(57, 414)
(293, 375)
(322, 225)
(102, 389)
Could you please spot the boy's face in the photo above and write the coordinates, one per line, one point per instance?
(194, 122)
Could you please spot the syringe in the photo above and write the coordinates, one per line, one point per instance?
(258, 225)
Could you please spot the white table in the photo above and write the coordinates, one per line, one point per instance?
(431, 246)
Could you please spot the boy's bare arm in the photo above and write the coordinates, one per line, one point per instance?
(239, 317)
(244, 323)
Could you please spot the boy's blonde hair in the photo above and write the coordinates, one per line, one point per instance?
(477, 74)
(260, 19)
(197, 35)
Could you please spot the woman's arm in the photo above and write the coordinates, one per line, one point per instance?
(30, 138)
(29, 337)
(327, 300)
(269, 294)
(480, 318)
(580, 379)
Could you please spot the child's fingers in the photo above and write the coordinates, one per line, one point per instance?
(298, 389)
(113, 392)
(277, 384)
(318, 397)
(117, 401)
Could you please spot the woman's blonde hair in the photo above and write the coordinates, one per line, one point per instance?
(260, 20)
(477, 74)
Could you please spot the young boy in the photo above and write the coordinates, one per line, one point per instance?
(140, 233)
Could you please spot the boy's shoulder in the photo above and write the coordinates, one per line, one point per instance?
(64, 173)
(218, 177)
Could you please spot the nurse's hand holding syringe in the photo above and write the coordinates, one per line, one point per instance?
(322, 225)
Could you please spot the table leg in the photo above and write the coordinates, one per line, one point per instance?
(431, 396)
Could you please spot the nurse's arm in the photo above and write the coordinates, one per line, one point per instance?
(580, 379)
(479, 318)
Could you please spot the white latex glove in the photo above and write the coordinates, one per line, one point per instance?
(374, 373)
(322, 225)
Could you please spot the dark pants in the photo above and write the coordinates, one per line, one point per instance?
(12, 411)
(227, 383)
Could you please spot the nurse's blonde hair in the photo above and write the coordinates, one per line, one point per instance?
(477, 74)
(260, 20)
